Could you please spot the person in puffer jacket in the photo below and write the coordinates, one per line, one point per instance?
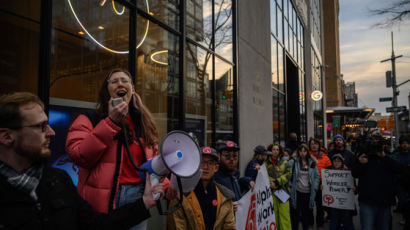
(97, 144)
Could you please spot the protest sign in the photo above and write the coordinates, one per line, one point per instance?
(337, 189)
(255, 208)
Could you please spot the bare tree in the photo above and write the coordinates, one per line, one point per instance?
(397, 12)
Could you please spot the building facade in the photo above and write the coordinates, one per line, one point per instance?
(248, 71)
(350, 94)
(334, 86)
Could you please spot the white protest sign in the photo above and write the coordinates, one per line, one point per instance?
(282, 195)
(337, 189)
(255, 208)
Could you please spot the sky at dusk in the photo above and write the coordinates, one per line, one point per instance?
(362, 47)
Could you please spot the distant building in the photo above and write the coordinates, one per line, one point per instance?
(350, 94)
(334, 86)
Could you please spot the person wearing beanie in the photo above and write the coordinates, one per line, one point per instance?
(340, 148)
(323, 162)
(340, 216)
(259, 156)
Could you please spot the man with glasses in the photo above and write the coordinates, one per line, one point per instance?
(35, 196)
(228, 173)
(209, 206)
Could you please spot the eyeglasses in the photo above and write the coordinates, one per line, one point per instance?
(228, 156)
(124, 80)
(209, 163)
(43, 126)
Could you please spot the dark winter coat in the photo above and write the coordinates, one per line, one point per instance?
(376, 185)
(349, 158)
(232, 182)
(60, 207)
(250, 170)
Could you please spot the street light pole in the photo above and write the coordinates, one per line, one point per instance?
(394, 86)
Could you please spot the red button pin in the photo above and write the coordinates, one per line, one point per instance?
(207, 150)
(215, 203)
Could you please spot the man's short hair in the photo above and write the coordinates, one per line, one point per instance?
(10, 116)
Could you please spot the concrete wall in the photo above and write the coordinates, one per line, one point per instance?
(307, 50)
(254, 78)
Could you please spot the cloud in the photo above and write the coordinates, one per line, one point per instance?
(362, 47)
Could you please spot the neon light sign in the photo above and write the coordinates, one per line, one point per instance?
(118, 13)
(157, 53)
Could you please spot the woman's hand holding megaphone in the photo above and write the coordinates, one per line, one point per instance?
(149, 191)
(117, 113)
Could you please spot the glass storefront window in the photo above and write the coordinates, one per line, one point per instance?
(199, 21)
(158, 76)
(275, 115)
(198, 97)
(280, 26)
(286, 27)
(166, 11)
(295, 45)
(20, 23)
(224, 99)
(90, 38)
(282, 119)
(291, 43)
(88, 41)
(274, 61)
(273, 17)
(223, 28)
(203, 28)
(291, 15)
(281, 69)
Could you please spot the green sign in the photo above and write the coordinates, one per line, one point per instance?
(336, 122)
(385, 99)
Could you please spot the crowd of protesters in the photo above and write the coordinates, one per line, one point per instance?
(111, 195)
(381, 181)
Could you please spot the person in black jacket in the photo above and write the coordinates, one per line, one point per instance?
(340, 148)
(35, 196)
(260, 155)
(228, 173)
(375, 171)
(405, 183)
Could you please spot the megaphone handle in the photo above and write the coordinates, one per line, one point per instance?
(175, 207)
(155, 180)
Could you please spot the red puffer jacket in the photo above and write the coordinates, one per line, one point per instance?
(96, 152)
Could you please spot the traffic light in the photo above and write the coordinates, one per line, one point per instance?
(390, 123)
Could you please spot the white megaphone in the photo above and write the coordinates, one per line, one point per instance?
(179, 155)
